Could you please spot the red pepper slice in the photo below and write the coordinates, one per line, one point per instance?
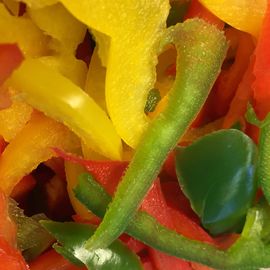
(155, 204)
(108, 173)
(261, 93)
(2, 144)
(196, 9)
(53, 261)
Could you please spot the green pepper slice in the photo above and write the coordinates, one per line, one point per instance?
(217, 174)
(72, 237)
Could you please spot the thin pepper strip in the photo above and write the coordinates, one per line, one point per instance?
(201, 49)
(261, 70)
(264, 160)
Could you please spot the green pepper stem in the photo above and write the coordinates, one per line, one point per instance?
(201, 49)
(263, 170)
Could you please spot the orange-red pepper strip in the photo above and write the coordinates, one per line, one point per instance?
(196, 9)
(261, 92)
(243, 94)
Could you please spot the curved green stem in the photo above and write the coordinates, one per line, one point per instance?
(263, 167)
(264, 160)
(201, 49)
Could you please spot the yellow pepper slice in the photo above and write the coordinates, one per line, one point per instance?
(32, 146)
(68, 66)
(245, 15)
(135, 29)
(68, 31)
(72, 173)
(13, 6)
(95, 82)
(39, 3)
(23, 31)
(56, 96)
(13, 119)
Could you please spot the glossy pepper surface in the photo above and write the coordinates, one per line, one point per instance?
(221, 188)
(72, 236)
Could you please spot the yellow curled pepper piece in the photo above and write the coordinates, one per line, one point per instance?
(23, 31)
(64, 28)
(56, 96)
(32, 146)
(134, 28)
(245, 15)
(13, 119)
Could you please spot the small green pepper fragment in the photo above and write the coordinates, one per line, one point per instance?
(201, 49)
(152, 100)
(32, 238)
(72, 237)
(217, 174)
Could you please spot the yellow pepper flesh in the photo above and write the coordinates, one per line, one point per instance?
(32, 146)
(23, 31)
(56, 96)
(72, 173)
(135, 28)
(39, 3)
(63, 27)
(68, 66)
(95, 82)
(13, 6)
(13, 119)
(245, 15)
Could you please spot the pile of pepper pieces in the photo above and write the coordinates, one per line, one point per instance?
(75, 105)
